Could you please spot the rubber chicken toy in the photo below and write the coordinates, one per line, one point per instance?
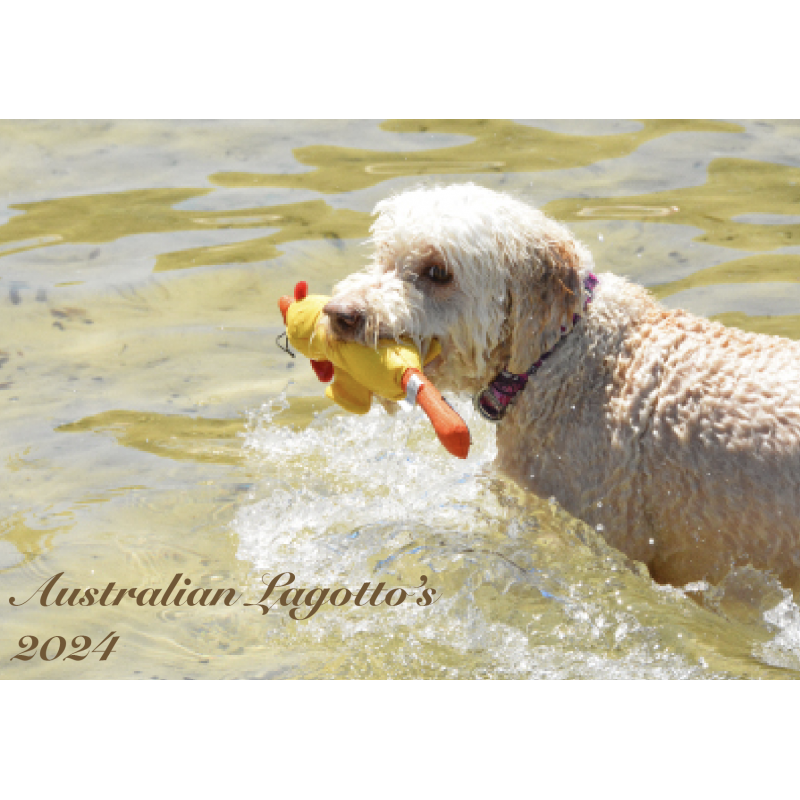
(392, 370)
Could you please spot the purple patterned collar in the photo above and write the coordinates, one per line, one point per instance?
(493, 401)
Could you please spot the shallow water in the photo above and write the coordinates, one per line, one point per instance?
(151, 427)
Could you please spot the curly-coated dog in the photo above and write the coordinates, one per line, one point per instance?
(675, 436)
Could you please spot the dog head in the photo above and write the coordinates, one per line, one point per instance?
(492, 278)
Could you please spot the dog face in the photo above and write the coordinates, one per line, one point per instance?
(490, 277)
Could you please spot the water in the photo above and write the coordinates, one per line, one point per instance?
(152, 428)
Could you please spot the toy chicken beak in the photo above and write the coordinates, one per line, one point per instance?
(283, 305)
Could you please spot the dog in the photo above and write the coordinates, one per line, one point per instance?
(675, 437)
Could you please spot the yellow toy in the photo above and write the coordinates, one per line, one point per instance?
(392, 371)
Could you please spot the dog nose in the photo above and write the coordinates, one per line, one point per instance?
(346, 317)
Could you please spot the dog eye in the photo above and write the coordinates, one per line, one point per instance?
(438, 273)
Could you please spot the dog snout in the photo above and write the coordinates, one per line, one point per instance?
(346, 318)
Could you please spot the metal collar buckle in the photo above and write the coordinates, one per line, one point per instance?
(487, 407)
(493, 401)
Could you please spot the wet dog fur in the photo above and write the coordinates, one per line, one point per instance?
(675, 436)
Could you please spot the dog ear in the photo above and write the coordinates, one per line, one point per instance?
(545, 293)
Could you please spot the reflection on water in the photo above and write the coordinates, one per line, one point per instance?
(760, 269)
(109, 217)
(20, 543)
(627, 212)
(787, 325)
(734, 190)
(152, 427)
(496, 146)
(192, 438)
(314, 219)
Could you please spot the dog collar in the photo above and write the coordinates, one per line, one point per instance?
(493, 401)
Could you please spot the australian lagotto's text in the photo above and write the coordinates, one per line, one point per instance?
(304, 602)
